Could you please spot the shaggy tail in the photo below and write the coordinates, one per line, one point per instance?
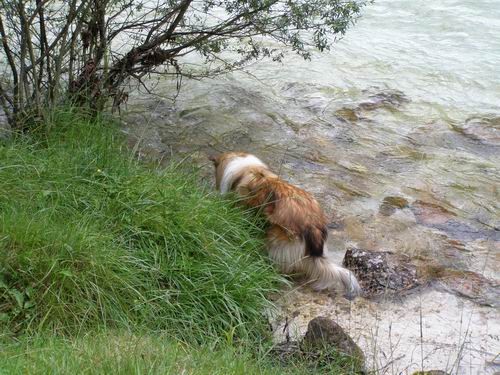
(327, 275)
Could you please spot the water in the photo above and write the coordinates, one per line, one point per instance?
(406, 105)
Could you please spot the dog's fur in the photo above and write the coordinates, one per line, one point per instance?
(298, 227)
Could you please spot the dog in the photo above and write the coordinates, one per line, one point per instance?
(297, 229)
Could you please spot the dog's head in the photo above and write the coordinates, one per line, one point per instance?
(221, 161)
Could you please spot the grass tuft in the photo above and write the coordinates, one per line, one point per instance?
(90, 238)
(111, 266)
(120, 352)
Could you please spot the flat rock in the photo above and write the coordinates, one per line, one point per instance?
(392, 203)
(387, 99)
(347, 114)
(381, 272)
(485, 129)
(431, 213)
(470, 285)
(436, 216)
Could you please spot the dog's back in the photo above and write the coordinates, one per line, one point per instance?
(298, 230)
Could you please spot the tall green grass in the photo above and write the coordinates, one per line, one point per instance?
(119, 352)
(90, 238)
(122, 353)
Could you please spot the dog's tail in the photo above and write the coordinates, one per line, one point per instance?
(327, 275)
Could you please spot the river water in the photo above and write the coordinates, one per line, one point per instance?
(407, 105)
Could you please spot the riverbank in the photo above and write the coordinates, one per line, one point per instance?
(110, 265)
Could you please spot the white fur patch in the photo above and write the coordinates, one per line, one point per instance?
(234, 167)
(290, 257)
(287, 255)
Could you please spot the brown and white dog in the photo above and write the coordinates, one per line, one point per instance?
(298, 226)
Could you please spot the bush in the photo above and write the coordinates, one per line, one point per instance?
(91, 238)
(93, 51)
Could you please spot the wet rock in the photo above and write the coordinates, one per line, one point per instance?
(465, 284)
(430, 213)
(385, 99)
(476, 288)
(460, 230)
(349, 190)
(336, 225)
(347, 114)
(315, 156)
(438, 217)
(391, 204)
(323, 332)
(485, 129)
(381, 272)
(472, 286)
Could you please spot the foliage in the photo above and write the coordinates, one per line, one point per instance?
(94, 49)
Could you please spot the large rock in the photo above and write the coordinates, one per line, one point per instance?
(381, 272)
(324, 343)
(323, 332)
(465, 284)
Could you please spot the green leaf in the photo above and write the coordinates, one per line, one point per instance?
(18, 296)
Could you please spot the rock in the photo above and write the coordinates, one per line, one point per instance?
(466, 284)
(323, 332)
(438, 217)
(460, 230)
(391, 204)
(381, 272)
(485, 129)
(478, 289)
(385, 99)
(431, 372)
(430, 213)
(324, 342)
(315, 156)
(472, 286)
(347, 114)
